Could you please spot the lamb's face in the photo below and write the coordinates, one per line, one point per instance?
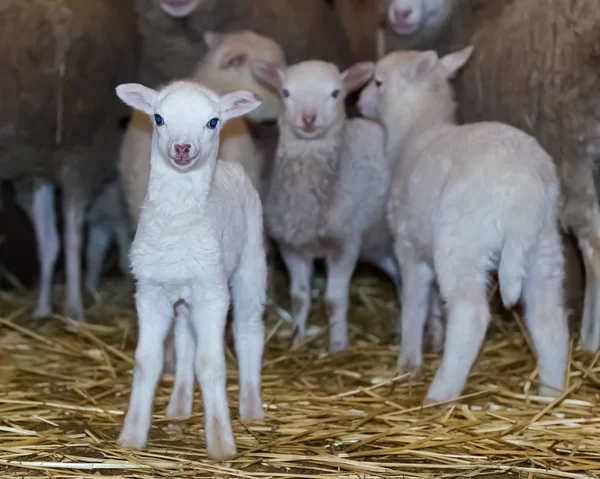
(313, 98)
(408, 17)
(187, 122)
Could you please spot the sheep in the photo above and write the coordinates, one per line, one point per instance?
(544, 80)
(466, 200)
(327, 194)
(59, 61)
(360, 19)
(227, 67)
(172, 32)
(106, 218)
(200, 233)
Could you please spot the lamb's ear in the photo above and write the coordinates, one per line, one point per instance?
(420, 65)
(357, 75)
(268, 73)
(212, 39)
(238, 103)
(455, 61)
(137, 96)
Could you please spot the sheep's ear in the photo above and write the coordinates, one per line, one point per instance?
(357, 75)
(455, 61)
(420, 65)
(238, 103)
(137, 96)
(267, 73)
(212, 39)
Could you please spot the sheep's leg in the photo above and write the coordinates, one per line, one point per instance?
(300, 270)
(434, 331)
(416, 278)
(123, 238)
(545, 313)
(590, 321)
(209, 316)
(44, 221)
(249, 297)
(98, 242)
(340, 266)
(154, 317)
(468, 320)
(182, 397)
(74, 215)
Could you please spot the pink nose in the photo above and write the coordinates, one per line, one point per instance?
(400, 16)
(182, 150)
(309, 119)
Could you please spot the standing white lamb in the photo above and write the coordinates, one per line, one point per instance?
(328, 189)
(464, 201)
(200, 233)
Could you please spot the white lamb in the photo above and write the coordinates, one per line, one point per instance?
(200, 233)
(328, 189)
(466, 200)
(227, 67)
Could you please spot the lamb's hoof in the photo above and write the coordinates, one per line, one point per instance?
(550, 392)
(42, 311)
(434, 403)
(75, 312)
(299, 340)
(132, 439)
(251, 410)
(338, 345)
(588, 345)
(221, 449)
(407, 366)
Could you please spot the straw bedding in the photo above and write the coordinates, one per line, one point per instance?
(64, 390)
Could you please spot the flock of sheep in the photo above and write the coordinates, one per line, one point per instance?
(472, 150)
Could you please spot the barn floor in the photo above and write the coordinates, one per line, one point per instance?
(64, 391)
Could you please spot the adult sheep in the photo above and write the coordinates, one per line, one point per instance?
(535, 66)
(60, 61)
(172, 32)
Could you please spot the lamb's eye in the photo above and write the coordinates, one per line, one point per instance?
(335, 93)
(286, 93)
(377, 83)
(213, 123)
(158, 119)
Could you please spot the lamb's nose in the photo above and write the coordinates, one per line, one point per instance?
(181, 149)
(401, 15)
(309, 119)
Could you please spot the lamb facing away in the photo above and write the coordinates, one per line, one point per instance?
(200, 233)
(329, 188)
(226, 67)
(59, 63)
(107, 218)
(542, 79)
(172, 32)
(465, 200)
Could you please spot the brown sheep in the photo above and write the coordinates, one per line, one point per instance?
(60, 61)
(535, 66)
(172, 32)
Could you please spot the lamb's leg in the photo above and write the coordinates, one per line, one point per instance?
(416, 278)
(249, 297)
(209, 316)
(182, 397)
(590, 320)
(154, 317)
(74, 209)
(468, 320)
(123, 238)
(340, 266)
(300, 269)
(44, 220)
(434, 331)
(98, 242)
(545, 313)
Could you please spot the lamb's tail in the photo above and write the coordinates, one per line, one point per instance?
(511, 272)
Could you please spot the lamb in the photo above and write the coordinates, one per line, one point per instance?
(329, 187)
(543, 80)
(466, 200)
(59, 62)
(106, 218)
(172, 32)
(226, 67)
(200, 233)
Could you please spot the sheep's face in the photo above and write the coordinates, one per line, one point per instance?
(179, 8)
(407, 17)
(231, 57)
(187, 119)
(313, 94)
